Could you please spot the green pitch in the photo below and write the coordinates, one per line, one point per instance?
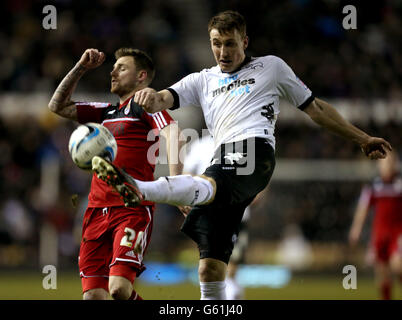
(28, 285)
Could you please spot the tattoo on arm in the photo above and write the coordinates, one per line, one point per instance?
(62, 95)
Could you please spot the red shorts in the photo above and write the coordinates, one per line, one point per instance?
(108, 239)
(386, 243)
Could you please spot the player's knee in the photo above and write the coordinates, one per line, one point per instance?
(95, 294)
(120, 293)
(206, 273)
(209, 273)
(211, 270)
(120, 288)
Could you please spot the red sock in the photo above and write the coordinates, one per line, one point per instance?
(385, 290)
(135, 296)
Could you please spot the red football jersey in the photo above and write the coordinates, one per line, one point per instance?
(135, 132)
(386, 199)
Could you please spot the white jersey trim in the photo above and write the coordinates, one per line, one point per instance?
(120, 119)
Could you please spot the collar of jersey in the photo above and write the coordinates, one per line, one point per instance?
(246, 60)
(125, 102)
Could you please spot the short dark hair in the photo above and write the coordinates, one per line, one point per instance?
(141, 59)
(228, 21)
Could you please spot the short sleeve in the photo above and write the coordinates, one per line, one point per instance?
(187, 90)
(291, 87)
(366, 197)
(91, 111)
(158, 120)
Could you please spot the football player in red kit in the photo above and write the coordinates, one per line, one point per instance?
(385, 196)
(114, 238)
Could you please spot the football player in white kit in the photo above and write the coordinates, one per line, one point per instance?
(196, 161)
(239, 98)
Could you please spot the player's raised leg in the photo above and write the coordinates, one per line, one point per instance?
(123, 183)
(181, 190)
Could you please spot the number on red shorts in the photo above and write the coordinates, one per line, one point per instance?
(128, 238)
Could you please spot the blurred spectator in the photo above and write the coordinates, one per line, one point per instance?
(334, 62)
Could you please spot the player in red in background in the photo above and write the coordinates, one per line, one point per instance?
(114, 238)
(385, 196)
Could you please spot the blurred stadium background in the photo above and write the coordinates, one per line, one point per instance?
(298, 231)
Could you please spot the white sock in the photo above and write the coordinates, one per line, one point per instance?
(213, 290)
(182, 190)
(233, 290)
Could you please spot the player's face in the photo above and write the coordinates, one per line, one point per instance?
(124, 78)
(228, 49)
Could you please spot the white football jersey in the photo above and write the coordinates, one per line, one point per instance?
(244, 103)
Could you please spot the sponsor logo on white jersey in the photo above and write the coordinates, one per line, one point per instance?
(234, 85)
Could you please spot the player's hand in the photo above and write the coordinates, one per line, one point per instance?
(376, 148)
(92, 58)
(146, 99)
(185, 210)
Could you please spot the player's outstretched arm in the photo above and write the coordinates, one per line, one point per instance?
(60, 102)
(326, 116)
(153, 101)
